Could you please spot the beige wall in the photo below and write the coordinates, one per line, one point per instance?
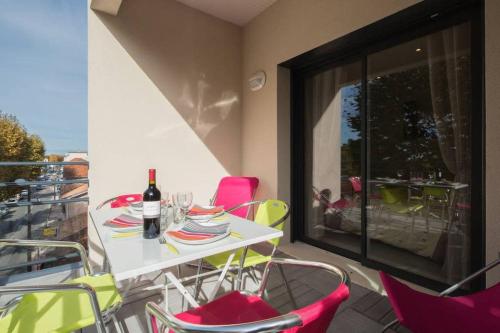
(492, 81)
(164, 92)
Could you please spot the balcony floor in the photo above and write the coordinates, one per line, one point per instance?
(364, 311)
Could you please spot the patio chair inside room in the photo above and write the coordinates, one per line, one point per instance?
(246, 312)
(64, 307)
(395, 201)
(234, 191)
(424, 313)
(270, 213)
(436, 197)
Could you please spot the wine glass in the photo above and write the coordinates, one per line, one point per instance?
(164, 209)
(183, 200)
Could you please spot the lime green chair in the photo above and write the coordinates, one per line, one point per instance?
(270, 213)
(436, 197)
(395, 200)
(64, 307)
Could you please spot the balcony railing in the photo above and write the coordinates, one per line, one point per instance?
(42, 212)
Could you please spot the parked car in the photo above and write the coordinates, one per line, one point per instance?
(24, 193)
(11, 200)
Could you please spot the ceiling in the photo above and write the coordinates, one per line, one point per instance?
(239, 12)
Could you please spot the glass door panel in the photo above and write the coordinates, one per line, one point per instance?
(332, 150)
(418, 151)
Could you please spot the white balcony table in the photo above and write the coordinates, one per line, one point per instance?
(131, 257)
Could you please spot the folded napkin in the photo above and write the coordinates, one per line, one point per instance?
(124, 221)
(196, 231)
(125, 200)
(198, 210)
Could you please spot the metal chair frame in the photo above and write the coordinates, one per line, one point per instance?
(168, 320)
(453, 288)
(243, 256)
(101, 317)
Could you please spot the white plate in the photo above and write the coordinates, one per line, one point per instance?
(134, 211)
(202, 241)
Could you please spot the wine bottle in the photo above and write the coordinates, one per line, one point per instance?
(151, 208)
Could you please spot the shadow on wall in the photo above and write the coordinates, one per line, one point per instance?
(194, 60)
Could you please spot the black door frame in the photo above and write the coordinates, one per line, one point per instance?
(415, 21)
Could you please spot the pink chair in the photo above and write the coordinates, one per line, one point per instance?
(245, 312)
(423, 313)
(235, 191)
(356, 184)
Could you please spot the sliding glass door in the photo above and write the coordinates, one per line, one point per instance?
(385, 142)
(332, 156)
(419, 147)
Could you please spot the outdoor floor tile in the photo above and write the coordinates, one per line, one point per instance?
(351, 321)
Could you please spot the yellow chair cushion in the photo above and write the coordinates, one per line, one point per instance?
(63, 311)
(252, 258)
(268, 213)
(401, 208)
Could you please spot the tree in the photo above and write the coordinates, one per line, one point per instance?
(55, 158)
(17, 145)
(402, 127)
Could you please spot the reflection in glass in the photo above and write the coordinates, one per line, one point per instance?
(332, 156)
(419, 145)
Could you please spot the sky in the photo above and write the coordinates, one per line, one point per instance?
(43, 69)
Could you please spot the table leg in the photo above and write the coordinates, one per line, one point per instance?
(451, 211)
(240, 269)
(221, 276)
(171, 277)
(197, 283)
(131, 282)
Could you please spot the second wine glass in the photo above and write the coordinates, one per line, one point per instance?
(183, 200)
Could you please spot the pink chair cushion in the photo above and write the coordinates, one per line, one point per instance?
(423, 313)
(233, 308)
(233, 191)
(317, 316)
(236, 308)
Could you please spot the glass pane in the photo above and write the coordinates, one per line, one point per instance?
(419, 147)
(332, 151)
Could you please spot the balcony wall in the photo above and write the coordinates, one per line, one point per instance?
(492, 83)
(164, 92)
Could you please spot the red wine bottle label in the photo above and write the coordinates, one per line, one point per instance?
(151, 209)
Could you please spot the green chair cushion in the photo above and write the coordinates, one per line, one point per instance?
(253, 258)
(63, 311)
(268, 213)
(402, 208)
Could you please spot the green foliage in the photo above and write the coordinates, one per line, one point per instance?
(16, 144)
(402, 127)
(55, 158)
